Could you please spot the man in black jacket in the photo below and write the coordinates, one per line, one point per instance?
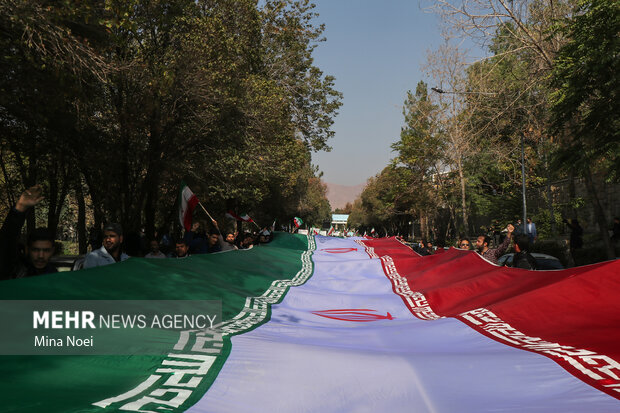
(522, 258)
(40, 245)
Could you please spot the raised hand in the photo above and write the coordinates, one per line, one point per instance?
(29, 198)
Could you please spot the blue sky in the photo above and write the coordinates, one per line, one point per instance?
(375, 49)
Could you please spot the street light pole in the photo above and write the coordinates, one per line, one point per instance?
(450, 92)
(523, 180)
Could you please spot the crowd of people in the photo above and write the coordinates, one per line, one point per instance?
(522, 246)
(523, 239)
(33, 258)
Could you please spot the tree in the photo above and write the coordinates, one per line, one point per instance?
(48, 59)
(584, 104)
(524, 24)
(387, 202)
(141, 94)
(346, 210)
(447, 66)
(515, 108)
(421, 150)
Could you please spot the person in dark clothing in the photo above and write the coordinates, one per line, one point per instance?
(245, 241)
(429, 248)
(576, 234)
(39, 247)
(196, 239)
(522, 258)
(422, 249)
(213, 242)
(181, 249)
(615, 232)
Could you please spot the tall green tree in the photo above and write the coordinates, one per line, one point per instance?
(421, 150)
(141, 94)
(585, 102)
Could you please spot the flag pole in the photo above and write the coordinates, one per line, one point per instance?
(206, 212)
(212, 220)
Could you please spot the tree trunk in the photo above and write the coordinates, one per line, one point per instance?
(81, 218)
(57, 195)
(149, 213)
(422, 234)
(599, 214)
(453, 219)
(30, 180)
(554, 229)
(9, 188)
(571, 192)
(151, 184)
(463, 199)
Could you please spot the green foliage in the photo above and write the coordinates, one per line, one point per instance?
(543, 222)
(387, 201)
(585, 101)
(142, 94)
(315, 208)
(419, 148)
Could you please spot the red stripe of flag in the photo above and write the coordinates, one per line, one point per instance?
(571, 316)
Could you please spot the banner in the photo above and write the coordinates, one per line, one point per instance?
(245, 282)
(323, 324)
(379, 328)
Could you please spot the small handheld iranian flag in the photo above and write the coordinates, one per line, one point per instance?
(297, 221)
(242, 217)
(331, 231)
(246, 218)
(187, 203)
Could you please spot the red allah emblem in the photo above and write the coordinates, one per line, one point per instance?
(359, 315)
(338, 250)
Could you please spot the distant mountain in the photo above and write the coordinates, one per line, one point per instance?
(339, 195)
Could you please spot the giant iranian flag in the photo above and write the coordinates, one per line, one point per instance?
(323, 324)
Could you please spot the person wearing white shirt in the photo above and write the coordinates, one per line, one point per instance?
(531, 230)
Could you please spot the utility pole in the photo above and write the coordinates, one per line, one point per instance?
(523, 180)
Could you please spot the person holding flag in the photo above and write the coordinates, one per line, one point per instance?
(242, 217)
(187, 204)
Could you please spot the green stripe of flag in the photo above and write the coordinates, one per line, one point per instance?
(73, 383)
